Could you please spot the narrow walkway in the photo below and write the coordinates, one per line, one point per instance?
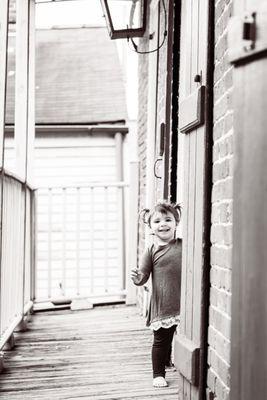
(100, 354)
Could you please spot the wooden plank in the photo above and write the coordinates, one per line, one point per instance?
(92, 239)
(193, 62)
(241, 49)
(77, 239)
(187, 358)
(184, 90)
(249, 323)
(49, 243)
(61, 357)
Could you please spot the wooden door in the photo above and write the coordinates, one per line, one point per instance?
(195, 126)
(248, 53)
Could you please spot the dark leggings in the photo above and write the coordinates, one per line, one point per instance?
(161, 349)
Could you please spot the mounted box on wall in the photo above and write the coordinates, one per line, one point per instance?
(191, 110)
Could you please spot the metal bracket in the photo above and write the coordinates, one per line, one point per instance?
(247, 35)
(249, 31)
(155, 168)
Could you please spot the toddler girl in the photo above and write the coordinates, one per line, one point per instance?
(163, 261)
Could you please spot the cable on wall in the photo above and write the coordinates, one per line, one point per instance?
(135, 47)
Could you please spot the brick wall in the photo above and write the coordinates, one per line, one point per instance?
(142, 114)
(143, 65)
(142, 130)
(222, 206)
(142, 140)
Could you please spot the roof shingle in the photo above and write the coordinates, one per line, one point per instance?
(78, 78)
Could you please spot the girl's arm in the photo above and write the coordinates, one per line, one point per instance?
(140, 275)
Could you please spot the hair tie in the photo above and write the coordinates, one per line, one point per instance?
(143, 213)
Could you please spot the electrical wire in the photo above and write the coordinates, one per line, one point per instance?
(135, 47)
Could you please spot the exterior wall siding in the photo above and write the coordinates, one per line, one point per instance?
(222, 212)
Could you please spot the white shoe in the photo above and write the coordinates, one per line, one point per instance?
(159, 381)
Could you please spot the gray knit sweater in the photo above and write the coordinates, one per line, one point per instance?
(164, 263)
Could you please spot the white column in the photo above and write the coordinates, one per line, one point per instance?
(121, 218)
(24, 91)
(31, 95)
(133, 232)
(3, 70)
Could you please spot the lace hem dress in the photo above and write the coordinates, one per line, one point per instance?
(165, 323)
(163, 263)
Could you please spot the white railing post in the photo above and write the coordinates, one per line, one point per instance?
(121, 220)
(15, 258)
(33, 244)
(78, 236)
(133, 231)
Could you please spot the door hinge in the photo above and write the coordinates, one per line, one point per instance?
(247, 35)
(249, 31)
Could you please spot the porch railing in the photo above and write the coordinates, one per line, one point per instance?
(81, 241)
(17, 253)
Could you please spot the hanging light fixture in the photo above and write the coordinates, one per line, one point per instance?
(125, 18)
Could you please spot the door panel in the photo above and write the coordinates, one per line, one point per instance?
(249, 278)
(193, 80)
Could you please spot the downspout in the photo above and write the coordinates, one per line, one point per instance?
(205, 289)
(168, 116)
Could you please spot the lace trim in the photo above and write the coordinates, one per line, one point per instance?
(165, 323)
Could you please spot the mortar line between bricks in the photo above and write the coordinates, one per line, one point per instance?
(224, 201)
(223, 180)
(222, 76)
(217, 121)
(224, 224)
(221, 268)
(218, 377)
(220, 100)
(219, 334)
(222, 246)
(227, 135)
(220, 357)
(221, 312)
(221, 290)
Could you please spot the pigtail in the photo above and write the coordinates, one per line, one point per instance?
(144, 213)
(178, 208)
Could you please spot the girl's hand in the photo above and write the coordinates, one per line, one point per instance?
(135, 275)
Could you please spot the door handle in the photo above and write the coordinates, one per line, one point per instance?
(155, 167)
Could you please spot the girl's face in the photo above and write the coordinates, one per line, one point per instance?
(163, 226)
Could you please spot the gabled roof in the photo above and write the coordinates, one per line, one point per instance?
(78, 78)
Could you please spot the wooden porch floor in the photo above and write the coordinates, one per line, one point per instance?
(103, 353)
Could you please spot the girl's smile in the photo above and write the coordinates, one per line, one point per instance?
(163, 226)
